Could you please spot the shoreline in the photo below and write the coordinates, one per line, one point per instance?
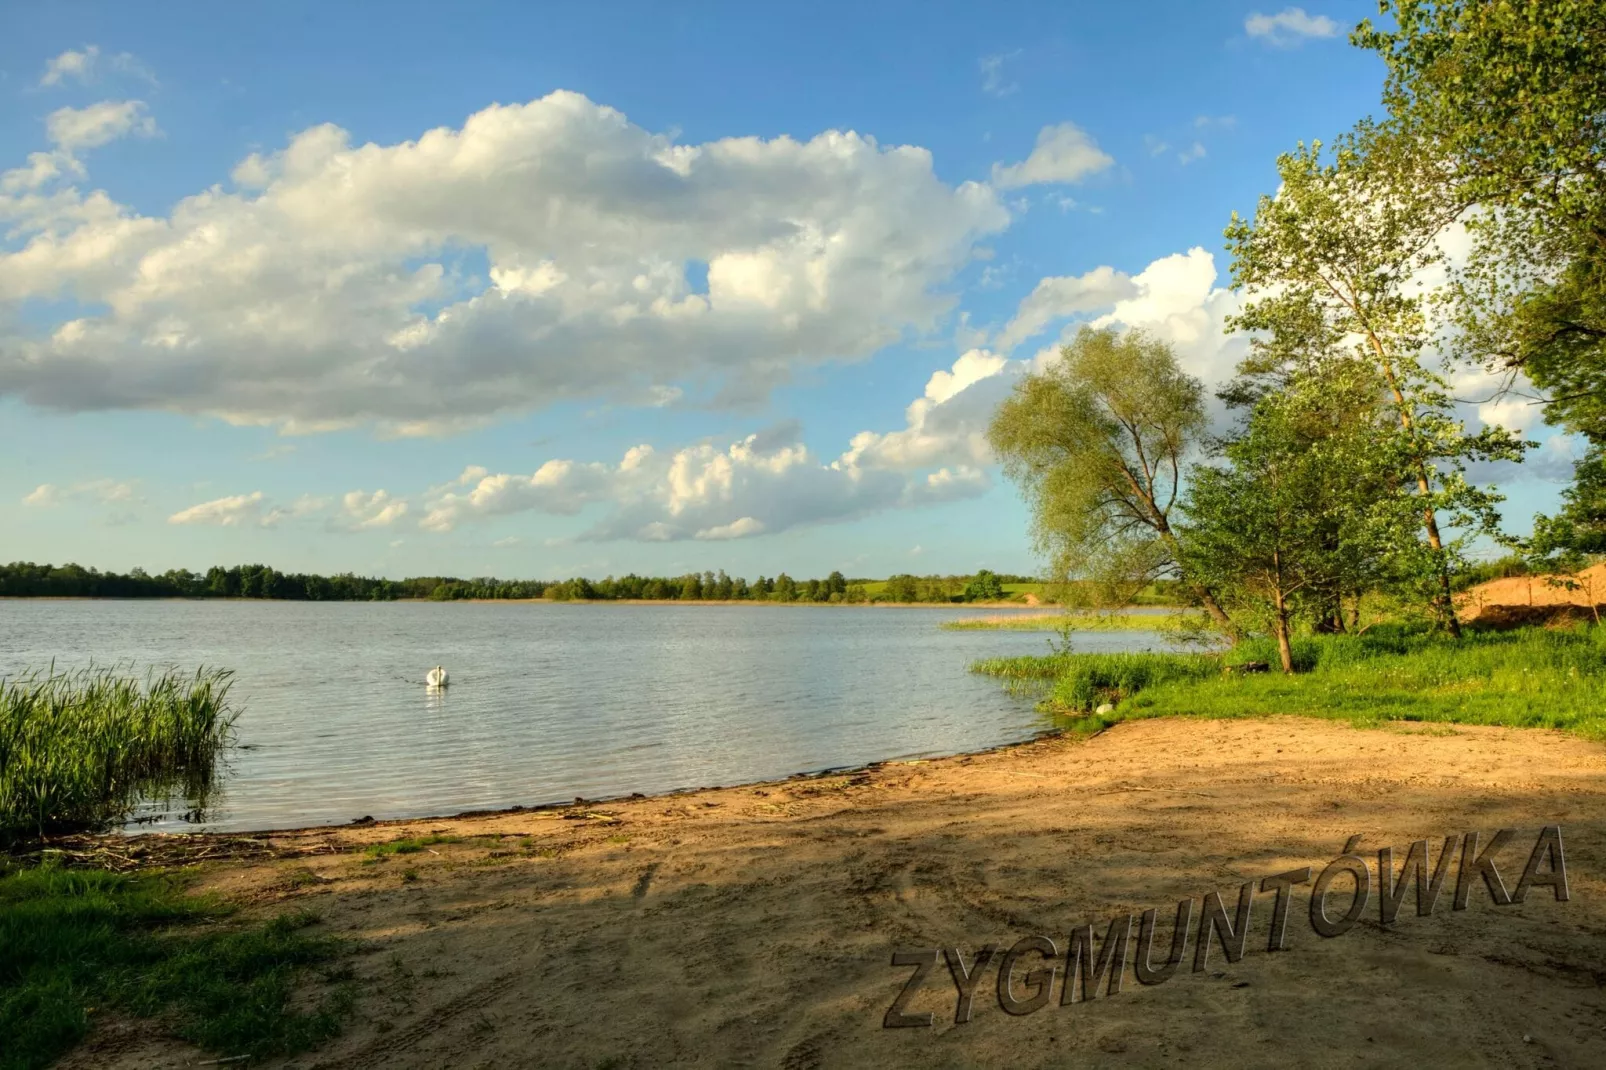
(754, 925)
(1045, 607)
(368, 821)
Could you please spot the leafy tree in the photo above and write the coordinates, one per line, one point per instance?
(1511, 99)
(984, 586)
(785, 588)
(902, 588)
(1337, 253)
(1279, 528)
(1097, 442)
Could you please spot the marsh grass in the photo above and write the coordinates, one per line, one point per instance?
(1528, 677)
(77, 943)
(79, 750)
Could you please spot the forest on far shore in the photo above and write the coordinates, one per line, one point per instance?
(29, 580)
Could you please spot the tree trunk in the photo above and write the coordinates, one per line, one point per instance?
(1285, 652)
(1206, 596)
(1443, 601)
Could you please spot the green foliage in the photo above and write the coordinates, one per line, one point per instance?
(79, 750)
(407, 845)
(75, 942)
(1508, 99)
(1329, 267)
(1529, 677)
(1096, 442)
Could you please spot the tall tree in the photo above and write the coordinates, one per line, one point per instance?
(1511, 98)
(1346, 240)
(1097, 441)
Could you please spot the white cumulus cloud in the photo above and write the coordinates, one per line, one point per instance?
(1060, 297)
(73, 64)
(73, 129)
(100, 491)
(1064, 153)
(1290, 26)
(239, 510)
(324, 292)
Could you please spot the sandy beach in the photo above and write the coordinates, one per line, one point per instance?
(755, 926)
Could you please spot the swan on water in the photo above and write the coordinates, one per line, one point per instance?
(436, 677)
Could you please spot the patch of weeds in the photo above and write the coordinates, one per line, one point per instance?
(406, 845)
(74, 940)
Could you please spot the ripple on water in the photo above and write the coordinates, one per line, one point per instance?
(547, 702)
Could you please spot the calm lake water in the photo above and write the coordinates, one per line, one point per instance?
(547, 702)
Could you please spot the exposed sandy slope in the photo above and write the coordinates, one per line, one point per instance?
(1522, 596)
(754, 926)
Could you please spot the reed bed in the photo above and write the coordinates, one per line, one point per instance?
(79, 750)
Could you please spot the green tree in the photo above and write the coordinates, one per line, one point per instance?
(1280, 529)
(1510, 98)
(984, 586)
(901, 588)
(785, 588)
(1339, 250)
(1097, 441)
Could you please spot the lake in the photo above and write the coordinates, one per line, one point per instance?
(547, 701)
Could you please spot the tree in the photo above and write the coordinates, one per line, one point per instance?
(1276, 528)
(1511, 97)
(785, 588)
(1344, 243)
(902, 588)
(1097, 441)
(984, 586)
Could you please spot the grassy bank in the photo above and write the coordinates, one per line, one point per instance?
(1058, 622)
(80, 749)
(77, 944)
(1529, 677)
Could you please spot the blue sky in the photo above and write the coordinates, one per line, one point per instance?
(537, 290)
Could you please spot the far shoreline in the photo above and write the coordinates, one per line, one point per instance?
(577, 601)
(1040, 607)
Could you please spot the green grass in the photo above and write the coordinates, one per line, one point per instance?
(80, 749)
(1529, 677)
(77, 943)
(1054, 622)
(405, 846)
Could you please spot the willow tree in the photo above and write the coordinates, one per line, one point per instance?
(1096, 441)
(1348, 239)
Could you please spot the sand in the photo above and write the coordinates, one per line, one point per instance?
(755, 926)
(1521, 599)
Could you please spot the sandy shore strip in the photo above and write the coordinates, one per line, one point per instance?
(755, 926)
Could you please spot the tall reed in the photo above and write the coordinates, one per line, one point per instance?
(80, 749)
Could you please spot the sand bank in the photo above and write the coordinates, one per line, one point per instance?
(755, 926)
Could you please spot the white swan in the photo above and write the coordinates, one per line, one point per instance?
(436, 677)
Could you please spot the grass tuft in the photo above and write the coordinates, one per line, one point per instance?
(76, 942)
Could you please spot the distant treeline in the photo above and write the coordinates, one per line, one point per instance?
(28, 580)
